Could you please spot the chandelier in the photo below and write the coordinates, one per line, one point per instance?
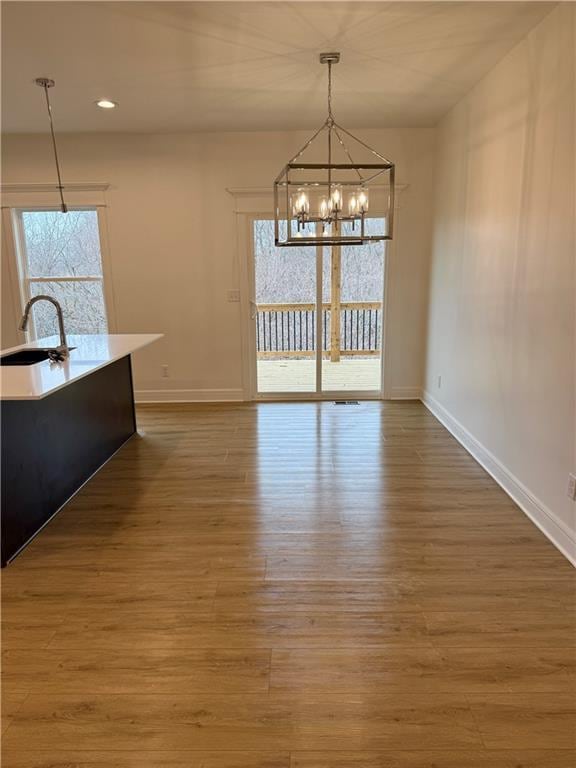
(339, 201)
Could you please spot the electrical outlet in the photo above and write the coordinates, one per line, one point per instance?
(572, 487)
(439, 382)
(233, 295)
(165, 373)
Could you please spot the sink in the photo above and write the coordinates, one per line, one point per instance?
(26, 356)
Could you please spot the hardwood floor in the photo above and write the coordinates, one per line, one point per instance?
(290, 586)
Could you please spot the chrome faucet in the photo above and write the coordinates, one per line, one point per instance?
(62, 350)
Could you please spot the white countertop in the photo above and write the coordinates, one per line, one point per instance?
(33, 382)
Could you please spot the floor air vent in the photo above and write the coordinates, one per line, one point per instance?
(346, 402)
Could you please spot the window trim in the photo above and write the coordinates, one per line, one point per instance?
(18, 267)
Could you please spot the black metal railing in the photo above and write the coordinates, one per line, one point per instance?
(289, 330)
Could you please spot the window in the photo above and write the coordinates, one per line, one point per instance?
(59, 255)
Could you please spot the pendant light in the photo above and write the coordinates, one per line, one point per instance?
(328, 202)
(46, 83)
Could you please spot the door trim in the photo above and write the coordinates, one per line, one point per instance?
(251, 204)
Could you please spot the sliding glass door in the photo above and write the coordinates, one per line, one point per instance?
(284, 312)
(317, 318)
(352, 302)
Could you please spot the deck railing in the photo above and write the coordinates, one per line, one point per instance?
(289, 330)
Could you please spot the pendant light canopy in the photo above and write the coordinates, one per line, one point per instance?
(46, 83)
(333, 199)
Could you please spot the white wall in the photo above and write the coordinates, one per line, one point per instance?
(173, 241)
(502, 291)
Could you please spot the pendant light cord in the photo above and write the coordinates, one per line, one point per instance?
(63, 206)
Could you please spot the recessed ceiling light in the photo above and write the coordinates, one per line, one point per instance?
(106, 104)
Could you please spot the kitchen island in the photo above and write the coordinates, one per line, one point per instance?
(61, 421)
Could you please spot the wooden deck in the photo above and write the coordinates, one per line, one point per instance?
(289, 585)
(360, 375)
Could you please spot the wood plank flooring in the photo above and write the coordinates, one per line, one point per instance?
(290, 586)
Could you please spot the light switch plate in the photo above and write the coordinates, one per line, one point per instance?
(233, 295)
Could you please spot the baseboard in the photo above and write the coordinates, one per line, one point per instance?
(543, 517)
(188, 395)
(405, 393)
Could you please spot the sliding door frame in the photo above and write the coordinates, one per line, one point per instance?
(248, 308)
(250, 203)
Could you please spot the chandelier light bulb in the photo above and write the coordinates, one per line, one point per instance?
(303, 204)
(352, 204)
(336, 199)
(362, 200)
(300, 204)
(324, 208)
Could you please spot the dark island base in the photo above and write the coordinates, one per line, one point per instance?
(51, 447)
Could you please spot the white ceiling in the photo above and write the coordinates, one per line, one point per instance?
(248, 66)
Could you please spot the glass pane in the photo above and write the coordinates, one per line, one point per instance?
(82, 305)
(62, 244)
(285, 314)
(353, 275)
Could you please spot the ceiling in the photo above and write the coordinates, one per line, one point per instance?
(190, 66)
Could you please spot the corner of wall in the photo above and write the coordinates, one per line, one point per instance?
(544, 518)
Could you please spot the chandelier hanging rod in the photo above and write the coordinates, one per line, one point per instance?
(330, 58)
(45, 83)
